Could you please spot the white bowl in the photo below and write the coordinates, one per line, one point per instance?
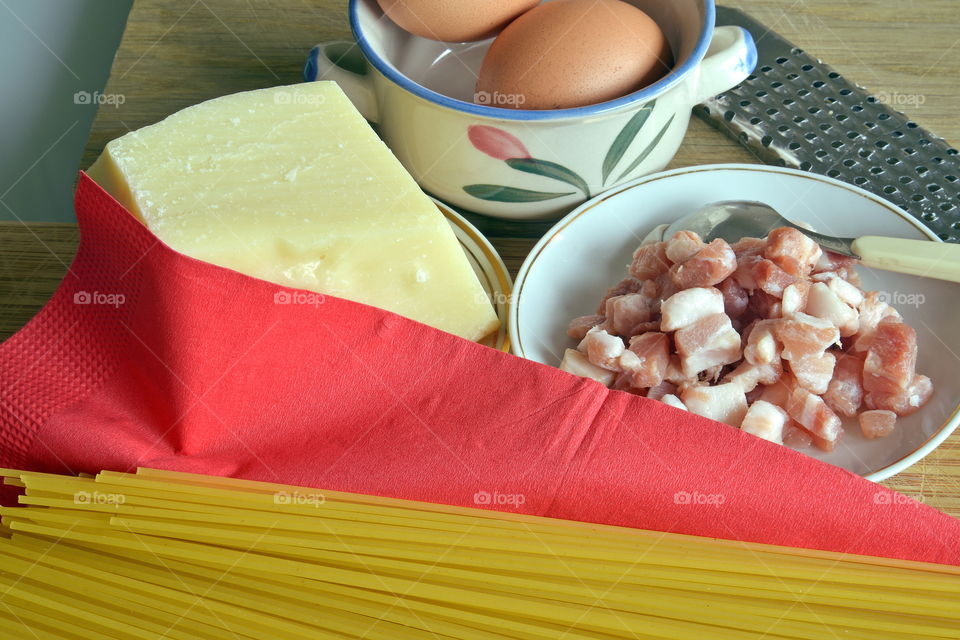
(568, 271)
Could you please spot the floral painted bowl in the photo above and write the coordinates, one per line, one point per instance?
(515, 163)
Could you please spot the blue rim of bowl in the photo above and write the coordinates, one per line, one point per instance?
(637, 97)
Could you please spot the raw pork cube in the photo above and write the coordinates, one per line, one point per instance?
(845, 392)
(814, 372)
(765, 420)
(877, 423)
(847, 292)
(709, 266)
(803, 335)
(602, 349)
(903, 402)
(824, 303)
(686, 307)
(792, 251)
(576, 363)
(709, 342)
(771, 279)
(813, 414)
(578, 327)
(795, 297)
(892, 359)
(762, 345)
(646, 359)
(873, 311)
(649, 261)
(748, 375)
(683, 246)
(625, 313)
(724, 402)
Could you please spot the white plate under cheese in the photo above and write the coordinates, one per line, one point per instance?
(291, 185)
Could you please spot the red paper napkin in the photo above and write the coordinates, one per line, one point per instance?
(145, 357)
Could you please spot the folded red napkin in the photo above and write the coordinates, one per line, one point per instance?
(145, 357)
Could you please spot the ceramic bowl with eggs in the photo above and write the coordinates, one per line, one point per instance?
(544, 105)
(586, 253)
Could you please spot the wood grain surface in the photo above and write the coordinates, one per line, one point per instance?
(179, 52)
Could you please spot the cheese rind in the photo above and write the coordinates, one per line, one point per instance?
(291, 185)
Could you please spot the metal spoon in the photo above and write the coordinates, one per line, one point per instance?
(735, 219)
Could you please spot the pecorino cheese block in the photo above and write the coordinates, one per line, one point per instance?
(291, 185)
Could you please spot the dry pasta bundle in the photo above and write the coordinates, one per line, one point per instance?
(178, 556)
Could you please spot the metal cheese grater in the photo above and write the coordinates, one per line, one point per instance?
(795, 111)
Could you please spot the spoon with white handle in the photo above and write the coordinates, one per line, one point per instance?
(736, 219)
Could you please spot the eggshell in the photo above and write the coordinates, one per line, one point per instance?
(573, 53)
(454, 20)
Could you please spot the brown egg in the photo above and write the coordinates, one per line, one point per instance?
(454, 20)
(573, 53)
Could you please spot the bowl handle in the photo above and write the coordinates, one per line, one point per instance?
(342, 62)
(731, 58)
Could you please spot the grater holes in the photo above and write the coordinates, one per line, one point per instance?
(799, 119)
(872, 99)
(912, 125)
(949, 206)
(945, 237)
(781, 60)
(776, 85)
(870, 125)
(810, 135)
(857, 108)
(922, 169)
(797, 51)
(766, 68)
(783, 128)
(883, 116)
(859, 181)
(807, 67)
(876, 170)
(826, 126)
(833, 173)
(750, 78)
(818, 84)
(889, 189)
(745, 103)
(803, 93)
(909, 151)
(905, 179)
(893, 161)
(814, 110)
(729, 116)
(950, 178)
(792, 76)
(837, 144)
(952, 152)
(820, 153)
(929, 216)
(788, 101)
(865, 153)
(845, 92)
(853, 135)
(805, 165)
(772, 111)
(841, 117)
(849, 162)
(896, 134)
(761, 94)
(755, 121)
(766, 140)
(830, 100)
(919, 197)
(882, 144)
(793, 146)
(833, 75)
(933, 188)
(937, 160)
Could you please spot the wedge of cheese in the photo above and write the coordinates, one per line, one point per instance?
(291, 185)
